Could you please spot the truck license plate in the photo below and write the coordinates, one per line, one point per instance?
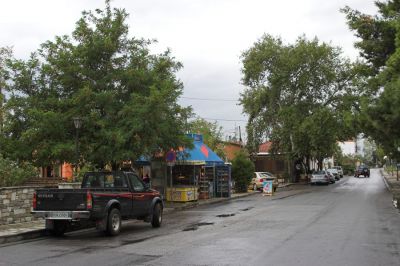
(60, 215)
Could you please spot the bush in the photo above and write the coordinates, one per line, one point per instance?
(13, 173)
(242, 171)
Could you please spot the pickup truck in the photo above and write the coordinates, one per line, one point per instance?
(105, 198)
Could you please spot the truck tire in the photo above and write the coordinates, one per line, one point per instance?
(156, 219)
(113, 222)
(59, 228)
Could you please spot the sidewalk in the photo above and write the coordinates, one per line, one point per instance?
(393, 185)
(24, 231)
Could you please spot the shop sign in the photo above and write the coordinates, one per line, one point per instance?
(170, 158)
(267, 187)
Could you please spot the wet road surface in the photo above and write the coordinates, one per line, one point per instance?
(351, 222)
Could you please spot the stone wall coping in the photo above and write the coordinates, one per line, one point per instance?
(20, 187)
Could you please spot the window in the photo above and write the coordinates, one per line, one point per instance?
(136, 183)
(120, 182)
(104, 180)
(94, 181)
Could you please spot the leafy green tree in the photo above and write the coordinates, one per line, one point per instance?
(376, 33)
(382, 118)
(15, 173)
(5, 55)
(242, 171)
(379, 46)
(291, 85)
(126, 96)
(212, 134)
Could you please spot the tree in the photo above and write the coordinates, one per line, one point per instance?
(242, 171)
(212, 134)
(126, 96)
(376, 33)
(291, 85)
(379, 46)
(5, 55)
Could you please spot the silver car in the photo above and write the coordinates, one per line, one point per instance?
(334, 172)
(340, 170)
(320, 177)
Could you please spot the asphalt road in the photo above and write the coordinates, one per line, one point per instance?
(349, 223)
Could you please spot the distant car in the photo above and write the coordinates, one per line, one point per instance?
(339, 169)
(362, 170)
(334, 172)
(320, 177)
(259, 178)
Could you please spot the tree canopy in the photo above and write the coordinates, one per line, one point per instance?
(380, 48)
(125, 96)
(300, 96)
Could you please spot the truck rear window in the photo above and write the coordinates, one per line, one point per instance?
(104, 180)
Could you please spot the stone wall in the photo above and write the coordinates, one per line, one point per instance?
(15, 204)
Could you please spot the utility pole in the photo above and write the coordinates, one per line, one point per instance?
(240, 137)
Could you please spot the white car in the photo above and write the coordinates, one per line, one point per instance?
(259, 178)
(340, 170)
(320, 177)
(334, 172)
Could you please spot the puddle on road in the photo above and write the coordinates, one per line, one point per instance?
(246, 209)
(226, 215)
(196, 226)
(134, 241)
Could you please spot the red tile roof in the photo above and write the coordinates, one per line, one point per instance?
(265, 147)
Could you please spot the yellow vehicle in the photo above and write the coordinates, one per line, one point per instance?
(258, 179)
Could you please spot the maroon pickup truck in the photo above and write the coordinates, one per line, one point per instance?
(104, 198)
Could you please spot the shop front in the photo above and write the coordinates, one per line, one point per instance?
(197, 173)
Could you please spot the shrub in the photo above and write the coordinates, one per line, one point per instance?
(13, 173)
(242, 171)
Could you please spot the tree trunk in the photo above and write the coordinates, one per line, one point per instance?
(320, 160)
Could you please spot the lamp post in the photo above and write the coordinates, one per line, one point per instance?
(78, 125)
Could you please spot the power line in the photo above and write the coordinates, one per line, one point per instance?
(210, 99)
(229, 120)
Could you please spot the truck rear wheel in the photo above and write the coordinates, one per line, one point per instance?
(156, 220)
(113, 222)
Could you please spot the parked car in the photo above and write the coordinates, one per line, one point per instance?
(105, 198)
(334, 172)
(320, 177)
(259, 178)
(362, 170)
(340, 170)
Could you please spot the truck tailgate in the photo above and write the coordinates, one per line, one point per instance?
(60, 199)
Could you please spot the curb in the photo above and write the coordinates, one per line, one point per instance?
(385, 181)
(22, 236)
(197, 204)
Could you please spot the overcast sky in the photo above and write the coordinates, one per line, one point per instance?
(207, 36)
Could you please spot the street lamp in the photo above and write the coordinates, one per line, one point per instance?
(78, 125)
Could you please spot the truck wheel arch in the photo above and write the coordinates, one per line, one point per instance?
(153, 203)
(110, 205)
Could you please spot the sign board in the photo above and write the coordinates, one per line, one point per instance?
(267, 187)
(170, 157)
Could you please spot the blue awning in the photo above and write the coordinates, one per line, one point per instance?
(201, 154)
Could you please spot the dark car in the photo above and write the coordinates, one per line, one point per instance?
(362, 170)
(105, 198)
